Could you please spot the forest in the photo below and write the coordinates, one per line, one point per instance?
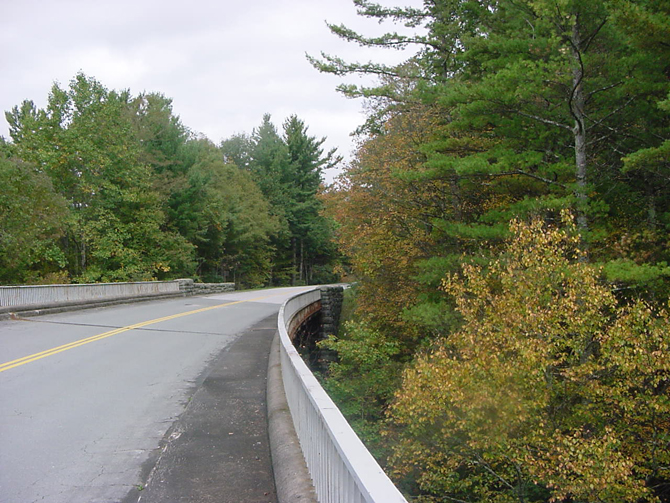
(506, 219)
(104, 186)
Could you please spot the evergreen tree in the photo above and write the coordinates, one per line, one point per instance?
(269, 166)
(288, 170)
(223, 213)
(160, 133)
(510, 109)
(541, 106)
(309, 230)
(237, 150)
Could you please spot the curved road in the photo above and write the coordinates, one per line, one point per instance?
(87, 396)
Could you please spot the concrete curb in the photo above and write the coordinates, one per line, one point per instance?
(292, 480)
(25, 312)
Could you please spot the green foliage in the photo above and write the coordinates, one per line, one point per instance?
(237, 150)
(32, 217)
(363, 378)
(160, 133)
(534, 109)
(85, 143)
(223, 213)
(288, 170)
(133, 195)
(627, 274)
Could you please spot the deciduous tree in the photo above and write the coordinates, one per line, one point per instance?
(549, 390)
(32, 217)
(85, 143)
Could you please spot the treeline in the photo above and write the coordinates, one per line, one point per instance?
(507, 218)
(101, 185)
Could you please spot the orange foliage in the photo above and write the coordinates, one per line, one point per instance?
(384, 218)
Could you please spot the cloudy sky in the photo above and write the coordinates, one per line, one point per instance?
(223, 62)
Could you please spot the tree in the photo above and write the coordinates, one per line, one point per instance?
(510, 109)
(269, 166)
(384, 221)
(85, 143)
(549, 390)
(310, 236)
(223, 213)
(160, 133)
(237, 150)
(384, 229)
(534, 105)
(33, 220)
(288, 170)
(364, 379)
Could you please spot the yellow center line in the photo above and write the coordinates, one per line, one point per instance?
(59, 349)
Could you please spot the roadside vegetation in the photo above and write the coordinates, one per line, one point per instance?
(507, 220)
(103, 185)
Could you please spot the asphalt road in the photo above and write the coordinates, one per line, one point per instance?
(86, 397)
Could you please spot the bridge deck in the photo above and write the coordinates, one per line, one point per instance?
(218, 450)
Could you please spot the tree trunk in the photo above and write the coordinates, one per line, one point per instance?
(652, 217)
(83, 255)
(295, 262)
(302, 260)
(579, 129)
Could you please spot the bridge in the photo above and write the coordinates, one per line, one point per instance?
(315, 454)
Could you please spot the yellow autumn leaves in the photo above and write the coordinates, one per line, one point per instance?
(549, 391)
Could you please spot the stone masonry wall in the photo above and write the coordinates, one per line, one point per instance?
(189, 287)
(331, 308)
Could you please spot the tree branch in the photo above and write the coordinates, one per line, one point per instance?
(594, 34)
(602, 89)
(599, 122)
(541, 119)
(488, 468)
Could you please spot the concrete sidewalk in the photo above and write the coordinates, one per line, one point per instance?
(218, 450)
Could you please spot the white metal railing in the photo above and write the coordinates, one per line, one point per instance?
(40, 295)
(341, 467)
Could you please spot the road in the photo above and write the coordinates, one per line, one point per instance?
(87, 396)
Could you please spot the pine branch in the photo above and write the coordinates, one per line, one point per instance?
(393, 40)
(593, 35)
(602, 89)
(337, 66)
(611, 114)
(541, 178)
(409, 16)
(540, 119)
(389, 40)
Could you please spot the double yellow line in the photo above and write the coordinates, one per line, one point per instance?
(65, 347)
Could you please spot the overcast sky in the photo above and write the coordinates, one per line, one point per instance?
(223, 62)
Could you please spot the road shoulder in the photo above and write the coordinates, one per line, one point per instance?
(218, 449)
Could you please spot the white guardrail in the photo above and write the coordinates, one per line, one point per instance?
(341, 467)
(22, 296)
